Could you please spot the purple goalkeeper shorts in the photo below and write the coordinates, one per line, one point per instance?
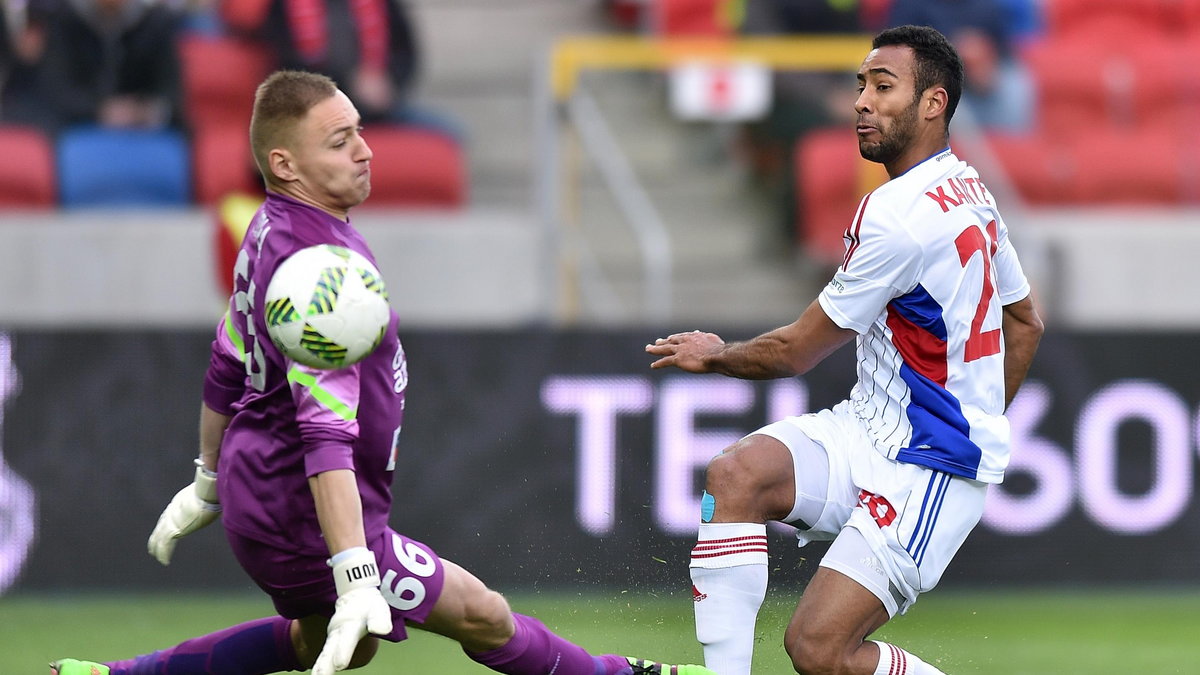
(302, 585)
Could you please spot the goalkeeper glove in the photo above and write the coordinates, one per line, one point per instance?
(360, 609)
(192, 508)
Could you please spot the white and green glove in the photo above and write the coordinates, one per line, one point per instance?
(190, 509)
(360, 609)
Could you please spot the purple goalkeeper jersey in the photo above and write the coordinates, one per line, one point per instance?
(290, 422)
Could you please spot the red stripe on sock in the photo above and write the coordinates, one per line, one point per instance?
(899, 662)
(736, 551)
(707, 546)
(749, 541)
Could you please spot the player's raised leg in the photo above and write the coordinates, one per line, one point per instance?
(750, 483)
(828, 632)
(490, 633)
(252, 648)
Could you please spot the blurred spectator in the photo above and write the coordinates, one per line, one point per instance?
(23, 27)
(999, 86)
(367, 46)
(813, 98)
(111, 62)
(200, 17)
(1025, 21)
(803, 100)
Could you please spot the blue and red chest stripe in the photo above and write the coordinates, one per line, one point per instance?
(940, 433)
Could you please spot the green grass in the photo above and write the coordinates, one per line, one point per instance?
(1040, 632)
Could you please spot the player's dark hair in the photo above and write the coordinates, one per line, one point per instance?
(283, 99)
(936, 61)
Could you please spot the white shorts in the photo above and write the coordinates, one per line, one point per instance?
(895, 525)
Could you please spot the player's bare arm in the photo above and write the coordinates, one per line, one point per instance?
(1022, 331)
(212, 430)
(784, 352)
(339, 509)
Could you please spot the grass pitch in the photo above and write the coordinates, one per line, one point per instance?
(1040, 632)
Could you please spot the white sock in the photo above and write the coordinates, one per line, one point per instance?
(729, 582)
(896, 661)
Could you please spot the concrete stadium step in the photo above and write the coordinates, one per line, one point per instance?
(480, 61)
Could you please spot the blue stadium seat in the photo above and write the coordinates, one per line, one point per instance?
(122, 167)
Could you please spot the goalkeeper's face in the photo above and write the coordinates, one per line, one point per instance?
(331, 160)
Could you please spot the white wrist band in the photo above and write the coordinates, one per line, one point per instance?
(206, 484)
(354, 568)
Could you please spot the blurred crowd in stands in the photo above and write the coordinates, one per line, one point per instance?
(1077, 103)
(1081, 102)
(167, 85)
(116, 63)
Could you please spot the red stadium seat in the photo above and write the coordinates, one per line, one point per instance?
(831, 180)
(27, 174)
(692, 18)
(1190, 18)
(1073, 94)
(220, 75)
(1134, 169)
(1136, 84)
(415, 167)
(222, 163)
(1104, 20)
(1106, 167)
(1042, 167)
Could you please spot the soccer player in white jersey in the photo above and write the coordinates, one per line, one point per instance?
(896, 475)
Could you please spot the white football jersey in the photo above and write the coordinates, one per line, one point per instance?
(928, 267)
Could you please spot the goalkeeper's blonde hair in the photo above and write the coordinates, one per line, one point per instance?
(281, 101)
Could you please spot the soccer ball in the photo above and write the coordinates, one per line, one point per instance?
(326, 307)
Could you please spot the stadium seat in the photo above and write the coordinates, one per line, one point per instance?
(222, 163)
(1105, 167)
(1190, 18)
(1041, 167)
(692, 18)
(1134, 85)
(1073, 94)
(1106, 21)
(831, 180)
(415, 167)
(98, 166)
(1131, 169)
(626, 14)
(219, 76)
(26, 168)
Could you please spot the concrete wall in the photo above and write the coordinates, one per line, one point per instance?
(108, 268)
(487, 268)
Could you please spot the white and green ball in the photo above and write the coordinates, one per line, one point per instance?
(326, 307)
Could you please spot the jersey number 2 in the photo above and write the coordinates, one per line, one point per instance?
(972, 241)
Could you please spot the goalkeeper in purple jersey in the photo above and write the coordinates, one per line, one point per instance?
(298, 462)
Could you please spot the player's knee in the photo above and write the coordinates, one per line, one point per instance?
(364, 652)
(811, 656)
(735, 479)
(726, 475)
(488, 621)
(308, 638)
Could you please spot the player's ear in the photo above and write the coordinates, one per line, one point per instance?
(934, 102)
(282, 164)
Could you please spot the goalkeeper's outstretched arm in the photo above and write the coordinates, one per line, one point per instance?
(197, 504)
